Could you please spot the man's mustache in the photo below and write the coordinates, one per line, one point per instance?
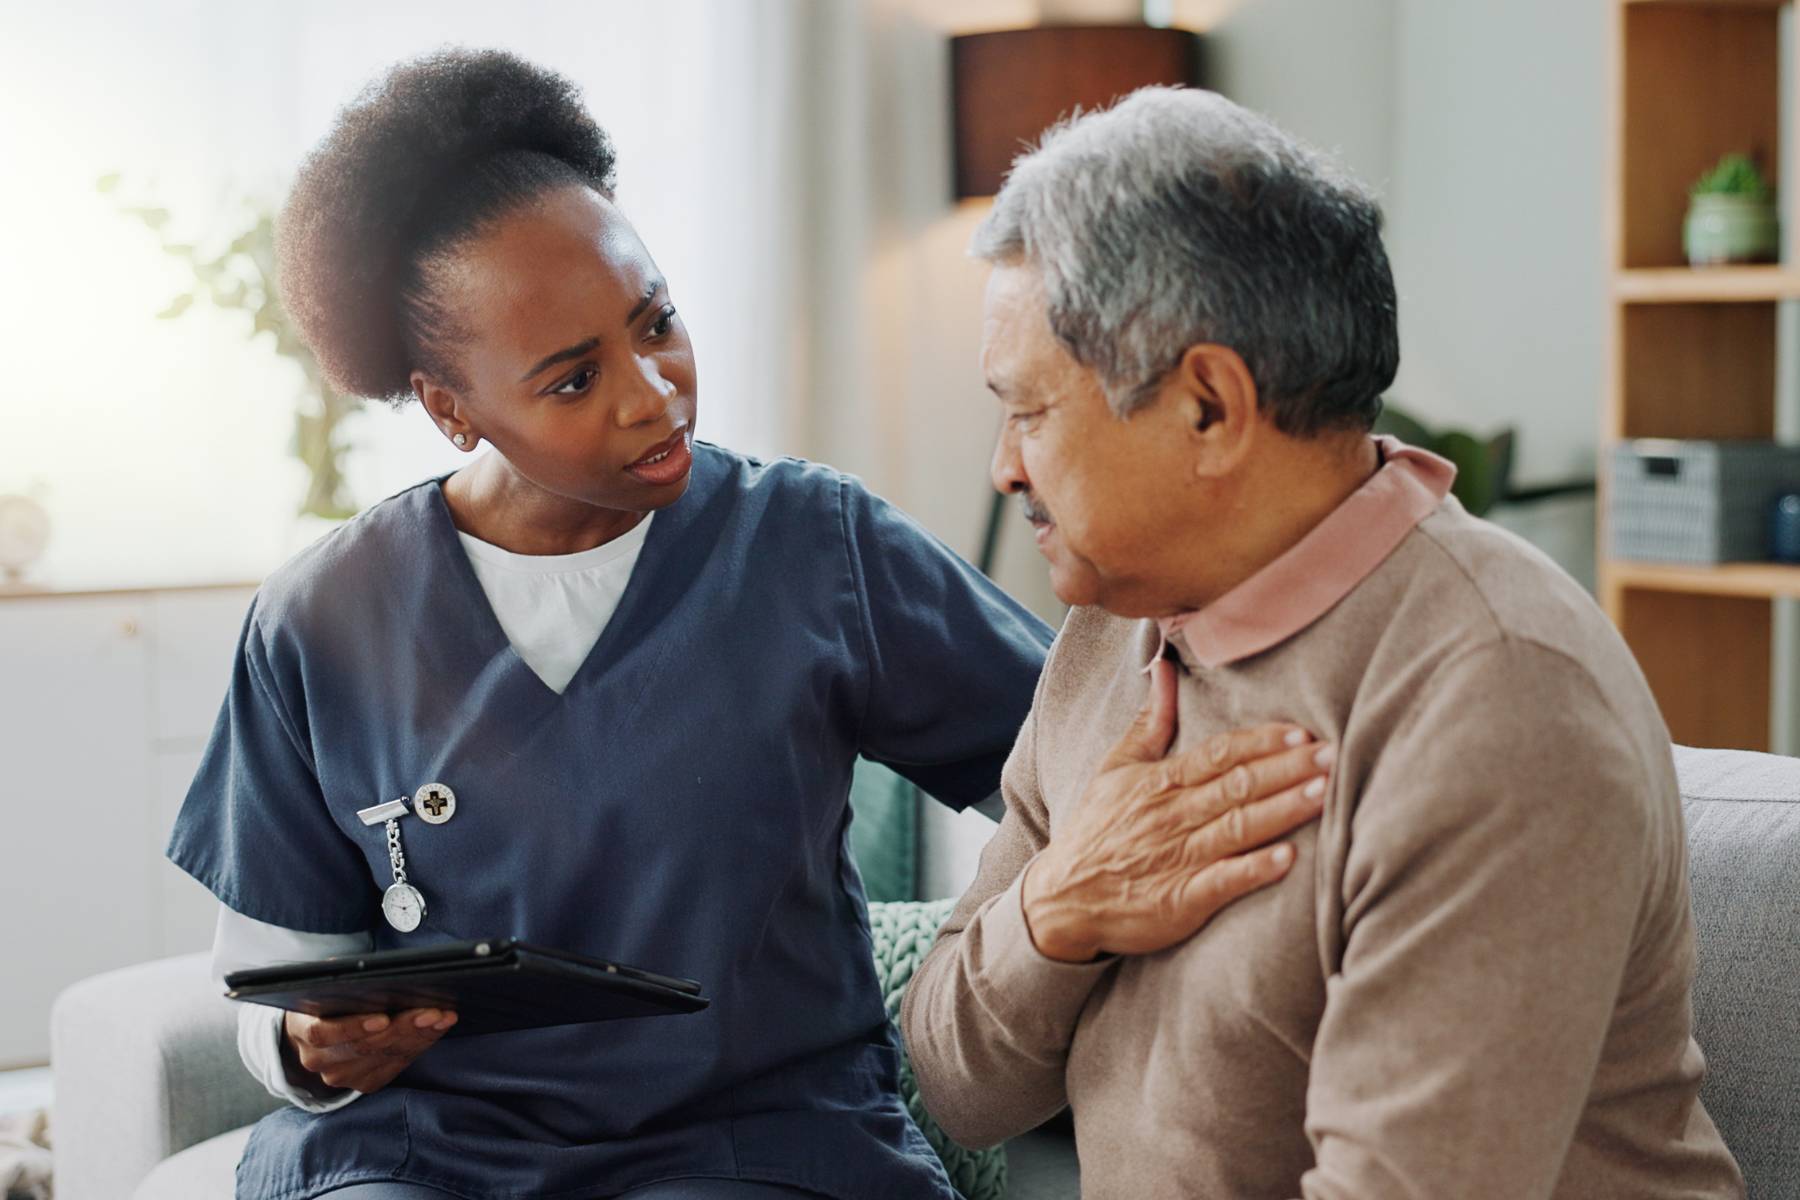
(1034, 512)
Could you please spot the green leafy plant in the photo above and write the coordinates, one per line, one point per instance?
(1734, 175)
(241, 278)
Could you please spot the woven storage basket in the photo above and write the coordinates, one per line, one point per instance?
(1696, 502)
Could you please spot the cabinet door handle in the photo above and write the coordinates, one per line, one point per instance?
(129, 627)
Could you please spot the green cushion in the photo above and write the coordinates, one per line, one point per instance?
(884, 832)
(903, 933)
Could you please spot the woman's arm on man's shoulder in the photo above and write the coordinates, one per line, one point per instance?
(951, 661)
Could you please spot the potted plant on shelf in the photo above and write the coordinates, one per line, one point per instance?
(1731, 216)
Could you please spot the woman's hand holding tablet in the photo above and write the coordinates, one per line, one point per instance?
(363, 1052)
(490, 986)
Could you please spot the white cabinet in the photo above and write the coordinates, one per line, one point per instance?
(105, 704)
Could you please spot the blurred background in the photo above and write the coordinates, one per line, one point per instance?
(790, 164)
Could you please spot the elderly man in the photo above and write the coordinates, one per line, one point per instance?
(1473, 982)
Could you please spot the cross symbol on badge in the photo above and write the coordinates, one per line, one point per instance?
(434, 803)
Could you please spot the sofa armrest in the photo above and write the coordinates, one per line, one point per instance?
(146, 1064)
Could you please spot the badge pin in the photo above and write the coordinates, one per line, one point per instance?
(434, 803)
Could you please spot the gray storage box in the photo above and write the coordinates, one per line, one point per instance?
(1696, 502)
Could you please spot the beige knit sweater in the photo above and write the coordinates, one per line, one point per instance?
(1472, 986)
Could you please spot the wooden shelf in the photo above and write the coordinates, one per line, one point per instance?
(1704, 285)
(1756, 580)
(1694, 81)
(1692, 352)
(1694, 371)
(1710, 3)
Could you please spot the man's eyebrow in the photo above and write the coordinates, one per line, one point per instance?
(564, 355)
(637, 310)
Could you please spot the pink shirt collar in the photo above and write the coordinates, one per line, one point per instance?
(1324, 566)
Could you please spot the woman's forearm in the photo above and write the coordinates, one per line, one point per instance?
(240, 942)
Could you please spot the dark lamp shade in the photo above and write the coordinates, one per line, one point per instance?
(1008, 87)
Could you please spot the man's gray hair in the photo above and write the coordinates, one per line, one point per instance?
(1176, 217)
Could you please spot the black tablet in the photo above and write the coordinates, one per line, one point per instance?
(492, 986)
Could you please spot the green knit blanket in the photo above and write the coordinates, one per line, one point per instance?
(903, 932)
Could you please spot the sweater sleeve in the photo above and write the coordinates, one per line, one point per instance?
(240, 942)
(1500, 855)
(987, 1018)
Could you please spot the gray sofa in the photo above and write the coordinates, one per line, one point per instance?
(153, 1104)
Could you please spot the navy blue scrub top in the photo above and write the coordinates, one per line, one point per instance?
(682, 806)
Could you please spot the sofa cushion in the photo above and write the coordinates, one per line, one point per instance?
(884, 832)
(902, 934)
(1041, 1165)
(206, 1171)
(1743, 818)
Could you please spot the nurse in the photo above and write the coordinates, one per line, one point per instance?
(621, 675)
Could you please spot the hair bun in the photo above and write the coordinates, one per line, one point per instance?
(355, 220)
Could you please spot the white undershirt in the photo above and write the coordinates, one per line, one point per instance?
(553, 609)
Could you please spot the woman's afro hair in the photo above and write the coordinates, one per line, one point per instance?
(419, 161)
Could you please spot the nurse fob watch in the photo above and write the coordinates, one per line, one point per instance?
(402, 904)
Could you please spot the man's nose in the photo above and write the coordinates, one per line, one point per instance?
(1007, 470)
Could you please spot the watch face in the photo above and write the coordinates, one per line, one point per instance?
(403, 906)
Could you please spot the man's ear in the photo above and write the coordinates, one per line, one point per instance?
(446, 410)
(1216, 397)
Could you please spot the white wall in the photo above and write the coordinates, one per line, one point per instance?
(1323, 71)
(1497, 226)
(1479, 123)
(1497, 220)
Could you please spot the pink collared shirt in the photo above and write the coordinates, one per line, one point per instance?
(1321, 569)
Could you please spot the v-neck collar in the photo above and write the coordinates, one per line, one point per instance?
(481, 625)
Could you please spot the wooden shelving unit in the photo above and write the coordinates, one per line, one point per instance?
(1715, 285)
(1693, 351)
(1764, 580)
